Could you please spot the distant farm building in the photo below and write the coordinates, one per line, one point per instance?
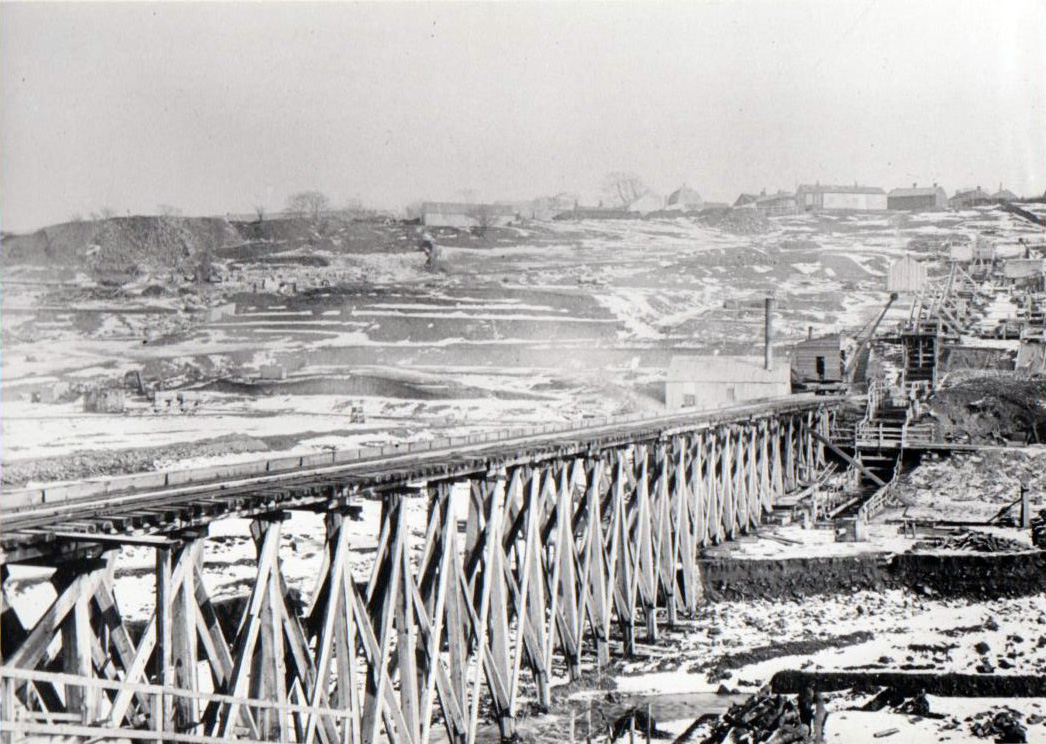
(906, 274)
(684, 199)
(818, 360)
(917, 197)
(970, 198)
(716, 381)
(466, 216)
(815, 198)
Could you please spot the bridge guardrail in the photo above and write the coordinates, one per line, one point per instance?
(19, 499)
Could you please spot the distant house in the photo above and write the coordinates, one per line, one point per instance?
(466, 216)
(782, 202)
(917, 197)
(703, 382)
(970, 198)
(906, 274)
(684, 199)
(817, 197)
(1004, 196)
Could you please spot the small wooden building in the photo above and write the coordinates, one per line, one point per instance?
(704, 382)
(906, 274)
(104, 400)
(818, 361)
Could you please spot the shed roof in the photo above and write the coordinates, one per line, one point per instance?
(726, 369)
(833, 340)
(828, 189)
(919, 191)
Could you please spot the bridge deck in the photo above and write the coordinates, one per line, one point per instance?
(150, 503)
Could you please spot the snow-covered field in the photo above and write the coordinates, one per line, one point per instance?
(564, 320)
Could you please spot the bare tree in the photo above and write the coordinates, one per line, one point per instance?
(483, 216)
(105, 213)
(259, 211)
(624, 188)
(414, 210)
(205, 265)
(311, 204)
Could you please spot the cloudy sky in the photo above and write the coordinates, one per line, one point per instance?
(217, 108)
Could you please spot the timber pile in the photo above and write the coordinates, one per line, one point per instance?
(982, 542)
(770, 718)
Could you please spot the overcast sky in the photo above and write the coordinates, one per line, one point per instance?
(217, 108)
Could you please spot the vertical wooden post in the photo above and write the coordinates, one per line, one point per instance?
(183, 642)
(164, 672)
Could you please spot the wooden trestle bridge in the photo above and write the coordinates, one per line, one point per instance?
(575, 541)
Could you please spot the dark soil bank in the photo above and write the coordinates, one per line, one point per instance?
(976, 575)
(792, 682)
(726, 579)
(971, 575)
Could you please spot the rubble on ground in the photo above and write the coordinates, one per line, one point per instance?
(982, 542)
(768, 717)
(1003, 726)
(973, 486)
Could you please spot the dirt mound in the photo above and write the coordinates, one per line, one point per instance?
(118, 249)
(738, 221)
(991, 410)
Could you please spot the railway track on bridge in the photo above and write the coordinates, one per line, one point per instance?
(34, 519)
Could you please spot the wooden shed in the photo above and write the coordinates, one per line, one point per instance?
(104, 400)
(703, 382)
(818, 360)
(906, 274)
